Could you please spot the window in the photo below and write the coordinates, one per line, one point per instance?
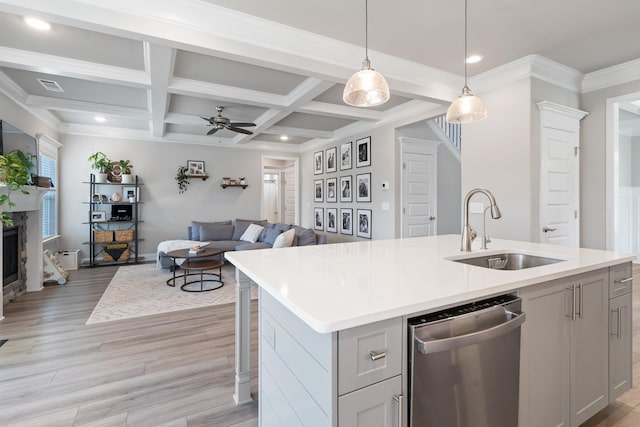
(48, 165)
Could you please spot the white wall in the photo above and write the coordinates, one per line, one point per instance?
(383, 160)
(449, 197)
(592, 164)
(166, 214)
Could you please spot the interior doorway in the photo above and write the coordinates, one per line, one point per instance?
(623, 179)
(280, 189)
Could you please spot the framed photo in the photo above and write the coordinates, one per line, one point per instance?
(332, 190)
(318, 218)
(317, 163)
(363, 151)
(332, 220)
(345, 156)
(195, 168)
(363, 187)
(346, 221)
(128, 193)
(332, 160)
(346, 189)
(364, 223)
(318, 185)
(98, 216)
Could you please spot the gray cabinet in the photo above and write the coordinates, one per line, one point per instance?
(378, 405)
(620, 333)
(564, 368)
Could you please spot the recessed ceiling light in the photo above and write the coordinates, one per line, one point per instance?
(284, 138)
(37, 23)
(472, 59)
(100, 119)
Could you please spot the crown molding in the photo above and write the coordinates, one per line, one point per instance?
(611, 76)
(562, 109)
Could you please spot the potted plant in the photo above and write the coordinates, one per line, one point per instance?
(101, 164)
(14, 174)
(242, 181)
(125, 167)
(182, 178)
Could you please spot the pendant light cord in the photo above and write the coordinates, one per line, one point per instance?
(465, 43)
(366, 29)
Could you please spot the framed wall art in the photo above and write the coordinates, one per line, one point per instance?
(332, 190)
(332, 164)
(346, 221)
(363, 152)
(318, 218)
(363, 187)
(332, 220)
(345, 156)
(317, 163)
(346, 189)
(195, 168)
(363, 223)
(318, 189)
(98, 216)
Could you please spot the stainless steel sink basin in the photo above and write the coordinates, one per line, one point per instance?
(508, 261)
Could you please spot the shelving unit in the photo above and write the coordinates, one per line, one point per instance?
(234, 185)
(98, 247)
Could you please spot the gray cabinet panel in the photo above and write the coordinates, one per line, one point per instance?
(620, 341)
(372, 406)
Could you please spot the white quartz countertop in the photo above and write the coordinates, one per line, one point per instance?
(338, 286)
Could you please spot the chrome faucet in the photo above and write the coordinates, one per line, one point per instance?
(468, 234)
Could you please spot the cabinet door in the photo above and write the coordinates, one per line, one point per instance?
(544, 367)
(372, 406)
(619, 346)
(590, 346)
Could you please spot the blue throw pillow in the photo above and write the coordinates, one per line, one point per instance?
(270, 235)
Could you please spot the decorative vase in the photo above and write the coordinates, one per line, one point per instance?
(242, 182)
(101, 178)
(132, 199)
(226, 180)
(127, 178)
(116, 197)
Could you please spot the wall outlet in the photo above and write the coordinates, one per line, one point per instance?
(476, 207)
(385, 185)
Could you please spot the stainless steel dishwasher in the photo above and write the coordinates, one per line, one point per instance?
(465, 365)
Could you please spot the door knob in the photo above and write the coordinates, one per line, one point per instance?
(431, 218)
(546, 229)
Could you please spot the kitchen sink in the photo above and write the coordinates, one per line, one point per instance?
(508, 261)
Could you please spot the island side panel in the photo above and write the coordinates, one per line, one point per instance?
(297, 369)
(243, 339)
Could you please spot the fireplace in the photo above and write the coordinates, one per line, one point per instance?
(14, 258)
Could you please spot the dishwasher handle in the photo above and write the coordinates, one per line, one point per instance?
(515, 320)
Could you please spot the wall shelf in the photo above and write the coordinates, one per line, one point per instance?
(234, 185)
(203, 177)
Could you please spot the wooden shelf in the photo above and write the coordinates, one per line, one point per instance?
(203, 177)
(234, 185)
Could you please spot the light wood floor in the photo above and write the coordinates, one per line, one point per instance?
(170, 370)
(174, 369)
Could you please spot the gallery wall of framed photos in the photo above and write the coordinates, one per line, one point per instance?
(342, 188)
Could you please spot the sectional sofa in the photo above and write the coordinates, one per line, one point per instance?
(226, 235)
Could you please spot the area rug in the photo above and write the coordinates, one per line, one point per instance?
(141, 290)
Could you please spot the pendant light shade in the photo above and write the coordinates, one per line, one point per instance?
(467, 108)
(367, 87)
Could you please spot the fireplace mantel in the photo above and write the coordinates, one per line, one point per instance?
(31, 204)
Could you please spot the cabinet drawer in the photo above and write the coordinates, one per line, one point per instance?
(619, 280)
(374, 406)
(369, 354)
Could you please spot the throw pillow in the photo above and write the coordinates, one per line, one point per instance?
(269, 235)
(252, 233)
(195, 227)
(242, 224)
(306, 237)
(285, 239)
(215, 232)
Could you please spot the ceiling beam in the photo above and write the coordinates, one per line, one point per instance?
(219, 92)
(159, 62)
(86, 107)
(341, 111)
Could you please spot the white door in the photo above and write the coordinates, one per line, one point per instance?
(559, 175)
(290, 194)
(271, 197)
(419, 184)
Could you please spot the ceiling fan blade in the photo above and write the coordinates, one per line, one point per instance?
(239, 130)
(242, 124)
(206, 118)
(212, 131)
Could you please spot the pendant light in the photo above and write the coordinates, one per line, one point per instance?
(367, 87)
(467, 108)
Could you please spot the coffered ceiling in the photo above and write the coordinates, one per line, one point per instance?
(154, 69)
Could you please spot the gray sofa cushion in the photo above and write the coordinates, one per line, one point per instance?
(240, 226)
(215, 232)
(304, 236)
(195, 228)
(256, 245)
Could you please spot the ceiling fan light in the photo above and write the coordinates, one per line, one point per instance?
(467, 108)
(366, 88)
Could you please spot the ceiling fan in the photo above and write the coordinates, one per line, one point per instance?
(218, 122)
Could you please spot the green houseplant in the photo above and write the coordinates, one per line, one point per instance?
(182, 178)
(125, 167)
(101, 164)
(14, 174)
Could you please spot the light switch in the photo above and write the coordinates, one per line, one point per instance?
(476, 207)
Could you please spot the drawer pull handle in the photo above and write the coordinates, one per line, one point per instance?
(628, 279)
(377, 355)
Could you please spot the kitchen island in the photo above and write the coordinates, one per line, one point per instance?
(316, 299)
